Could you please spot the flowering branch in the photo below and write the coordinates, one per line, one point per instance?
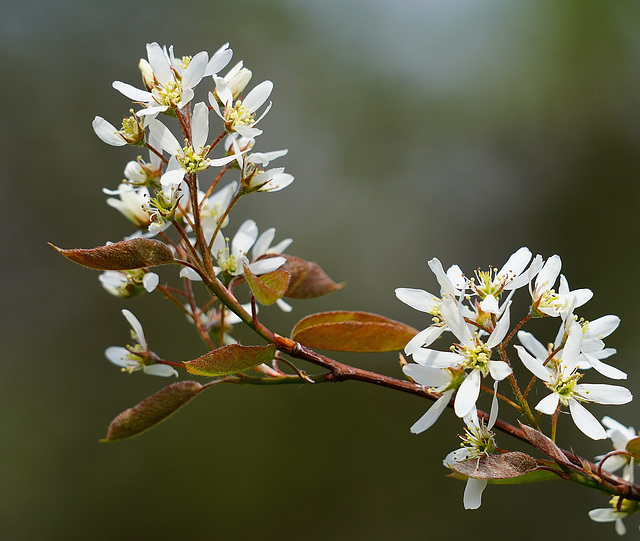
(163, 198)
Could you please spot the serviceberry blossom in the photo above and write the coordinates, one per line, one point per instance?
(488, 285)
(478, 441)
(240, 116)
(192, 158)
(470, 354)
(138, 356)
(452, 284)
(560, 375)
(619, 509)
(545, 300)
(170, 82)
(229, 257)
(132, 131)
(128, 283)
(619, 435)
(132, 203)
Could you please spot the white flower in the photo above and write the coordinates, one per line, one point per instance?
(619, 435)
(131, 133)
(128, 283)
(240, 116)
(470, 354)
(616, 513)
(452, 284)
(545, 299)
(229, 258)
(138, 356)
(193, 157)
(212, 209)
(490, 284)
(437, 380)
(478, 441)
(170, 82)
(561, 377)
(132, 203)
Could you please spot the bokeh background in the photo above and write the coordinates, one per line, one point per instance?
(415, 129)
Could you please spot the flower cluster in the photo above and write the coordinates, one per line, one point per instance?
(476, 311)
(166, 189)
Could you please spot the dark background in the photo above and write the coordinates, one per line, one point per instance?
(415, 129)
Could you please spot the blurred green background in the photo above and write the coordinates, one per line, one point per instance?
(415, 129)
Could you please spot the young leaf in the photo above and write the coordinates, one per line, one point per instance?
(308, 280)
(352, 331)
(123, 255)
(230, 359)
(544, 444)
(269, 287)
(504, 466)
(633, 447)
(152, 410)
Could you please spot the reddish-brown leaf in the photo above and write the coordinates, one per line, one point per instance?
(308, 280)
(123, 255)
(152, 410)
(504, 466)
(230, 359)
(352, 331)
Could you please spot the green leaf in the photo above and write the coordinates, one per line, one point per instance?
(269, 287)
(123, 255)
(230, 359)
(152, 410)
(352, 331)
(633, 447)
(503, 466)
(536, 476)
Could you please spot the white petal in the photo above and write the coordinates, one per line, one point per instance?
(118, 356)
(516, 263)
(107, 132)
(418, 299)
(602, 327)
(431, 377)
(263, 242)
(164, 137)
(493, 413)
(445, 283)
(548, 274)
(432, 414)
(437, 359)
(162, 370)
(133, 93)
(467, 394)
(455, 321)
(499, 370)
(267, 265)
(489, 304)
(195, 70)
(600, 393)
(258, 96)
(200, 126)
(586, 422)
(159, 62)
(501, 330)
(190, 274)
(136, 326)
(532, 345)
(244, 238)
(150, 281)
(549, 404)
(473, 493)
(534, 366)
(605, 369)
(423, 339)
(218, 61)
